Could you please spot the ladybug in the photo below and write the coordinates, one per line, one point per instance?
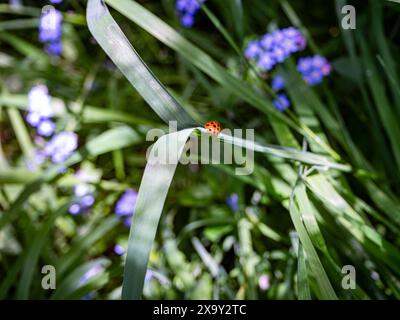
(213, 127)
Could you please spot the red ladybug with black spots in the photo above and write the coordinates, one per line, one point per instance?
(213, 127)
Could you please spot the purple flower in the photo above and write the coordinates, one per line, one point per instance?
(278, 36)
(56, 1)
(313, 78)
(46, 128)
(275, 47)
(33, 119)
(126, 204)
(85, 176)
(296, 36)
(267, 41)
(50, 26)
(279, 54)
(278, 83)
(149, 275)
(282, 102)
(187, 20)
(61, 146)
(233, 202)
(119, 250)
(188, 6)
(253, 50)
(87, 201)
(38, 159)
(50, 29)
(81, 189)
(54, 48)
(39, 110)
(300, 42)
(263, 282)
(127, 221)
(15, 3)
(186, 10)
(83, 193)
(81, 205)
(88, 296)
(266, 61)
(74, 209)
(39, 101)
(314, 69)
(180, 5)
(304, 65)
(289, 46)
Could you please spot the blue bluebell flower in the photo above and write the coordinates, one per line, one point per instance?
(149, 275)
(187, 20)
(186, 10)
(46, 128)
(263, 282)
(50, 25)
(267, 41)
(37, 159)
(81, 205)
(266, 61)
(233, 202)
(33, 119)
(15, 3)
(61, 146)
(304, 65)
(253, 50)
(126, 205)
(39, 102)
(50, 30)
(275, 47)
(279, 54)
(119, 250)
(40, 110)
(282, 102)
(314, 69)
(278, 83)
(54, 48)
(88, 296)
(296, 36)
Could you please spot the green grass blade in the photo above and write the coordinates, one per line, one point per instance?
(325, 289)
(309, 218)
(238, 18)
(113, 41)
(201, 60)
(384, 108)
(90, 114)
(303, 286)
(21, 132)
(18, 24)
(32, 256)
(284, 152)
(100, 21)
(25, 48)
(373, 242)
(11, 277)
(71, 284)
